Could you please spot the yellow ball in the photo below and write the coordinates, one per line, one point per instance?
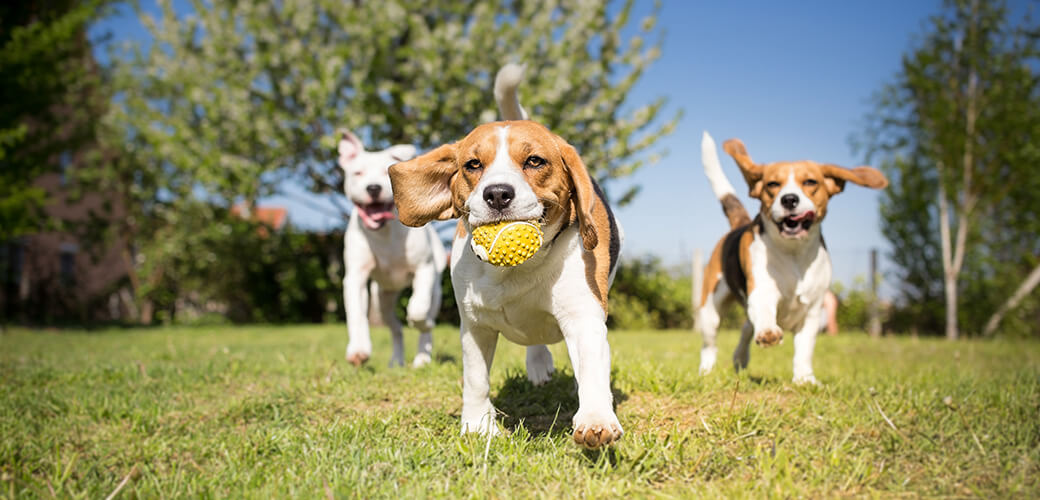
(508, 243)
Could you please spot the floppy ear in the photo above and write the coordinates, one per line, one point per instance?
(401, 152)
(835, 177)
(348, 146)
(752, 172)
(584, 193)
(422, 186)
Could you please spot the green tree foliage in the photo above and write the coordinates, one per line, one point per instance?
(956, 132)
(242, 270)
(233, 99)
(46, 78)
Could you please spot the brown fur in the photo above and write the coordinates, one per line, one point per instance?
(735, 212)
(819, 182)
(435, 186)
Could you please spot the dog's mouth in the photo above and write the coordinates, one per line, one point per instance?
(795, 226)
(375, 215)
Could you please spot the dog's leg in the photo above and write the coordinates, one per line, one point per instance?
(595, 424)
(423, 308)
(539, 364)
(387, 309)
(478, 350)
(708, 323)
(761, 310)
(742, 354)
(355, 300)
(804, 343)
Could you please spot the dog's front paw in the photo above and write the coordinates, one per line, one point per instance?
(596, 429)
(357, 357)
(770, 336)
(484, 426)
(808, 379)
(422, 359)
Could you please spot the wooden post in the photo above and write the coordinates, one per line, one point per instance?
(874, 322)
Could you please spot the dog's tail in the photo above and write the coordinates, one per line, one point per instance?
(731, 206)
(506, 82)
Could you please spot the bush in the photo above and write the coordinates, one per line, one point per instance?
(646, 294)
(853, 304)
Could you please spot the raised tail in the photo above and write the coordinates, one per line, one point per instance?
(506, 82)
(731, 206)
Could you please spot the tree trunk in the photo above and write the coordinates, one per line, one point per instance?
(949, 277)
(1024, 289)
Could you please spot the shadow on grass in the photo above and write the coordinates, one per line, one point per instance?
(764, 381)
(545, 410)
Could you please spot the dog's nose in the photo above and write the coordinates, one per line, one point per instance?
(374, 190)
(498, 196)
(789, 201)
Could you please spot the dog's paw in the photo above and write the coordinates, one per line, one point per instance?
(357, 358)
(595, 429)
(539, 365)
(707, 361)
(769, 337)
(806, 380)
(422, 359)
(484, 426)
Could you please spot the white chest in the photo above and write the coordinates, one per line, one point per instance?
(515, 301)
(799, 279)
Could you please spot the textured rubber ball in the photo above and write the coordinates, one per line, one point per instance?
(507, 243)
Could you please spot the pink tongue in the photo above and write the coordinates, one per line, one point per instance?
(808, 214)
(375, 215)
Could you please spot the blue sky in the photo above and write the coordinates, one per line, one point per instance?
(793, 80)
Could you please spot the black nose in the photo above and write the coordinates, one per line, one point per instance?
(789, 201)
(498, 196)
(374, 190)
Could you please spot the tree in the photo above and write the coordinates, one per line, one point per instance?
(955, 126)
(234, 99)
(47, 79)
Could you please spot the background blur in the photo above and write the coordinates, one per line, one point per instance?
(172, 162)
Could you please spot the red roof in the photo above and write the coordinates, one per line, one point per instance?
(271, 216)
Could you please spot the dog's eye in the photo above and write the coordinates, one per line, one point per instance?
(358, 173)
(473, 165)
(810, 182)
(772, 184)
(534, 162)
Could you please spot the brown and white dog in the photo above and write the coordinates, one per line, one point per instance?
(776, 265)
(519, 170)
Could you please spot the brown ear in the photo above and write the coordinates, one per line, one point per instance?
(584, 193)
(422, 186)
(752, 172)
(864, 176)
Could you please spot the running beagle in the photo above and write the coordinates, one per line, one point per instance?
(776, 265)
(519, 170)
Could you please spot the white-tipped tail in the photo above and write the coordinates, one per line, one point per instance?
(713, 169)
(506, 82)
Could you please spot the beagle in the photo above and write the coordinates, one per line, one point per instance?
(776, 265)
(381, 250)
(519, 170)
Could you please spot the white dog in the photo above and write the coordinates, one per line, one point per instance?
(519, 170)
(379, 248)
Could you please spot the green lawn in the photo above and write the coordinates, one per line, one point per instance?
(276, 412)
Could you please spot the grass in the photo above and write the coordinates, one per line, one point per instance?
(266, 412)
